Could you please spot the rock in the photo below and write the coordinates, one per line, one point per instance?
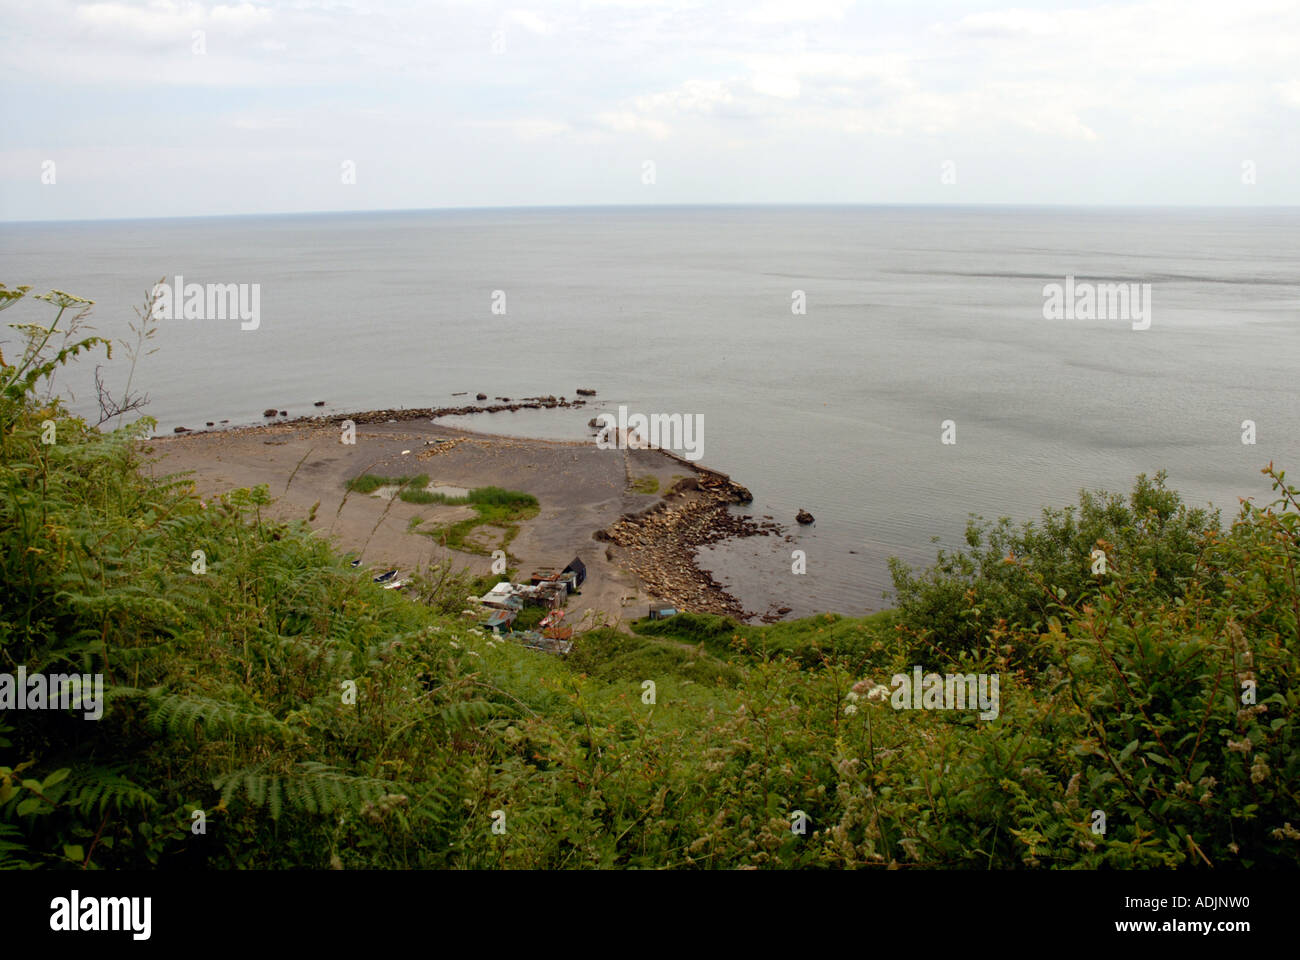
(684, 484)
(319, 403)
(181, 430)
(583, 392)
(804, 517)
(783, 610)
(481, 396)
(211, 424)
(594, 422)
(284, 413)
(269, 413)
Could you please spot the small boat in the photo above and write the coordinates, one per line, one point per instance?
(395, 585)
(385, 577)
(356, 562)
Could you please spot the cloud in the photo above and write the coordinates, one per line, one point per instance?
(1086, 87)
(529, 20)
(630, 122)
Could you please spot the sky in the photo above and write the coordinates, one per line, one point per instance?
(165, 108)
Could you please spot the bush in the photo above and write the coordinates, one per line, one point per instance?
(1018, 576)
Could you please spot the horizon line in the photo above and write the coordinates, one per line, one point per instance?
(657, 206)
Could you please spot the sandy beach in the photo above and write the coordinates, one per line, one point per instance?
(638, 547)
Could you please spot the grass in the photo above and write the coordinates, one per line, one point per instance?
(494, 507)
(647, 483)
(419, 496)
(370, 482)
(529, 617)
(610, 655)
(857, 640)
(411, 489)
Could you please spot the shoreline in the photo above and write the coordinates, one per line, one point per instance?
(643, 546)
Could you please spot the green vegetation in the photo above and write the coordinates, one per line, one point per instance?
(495, 507)
(529, 618)
(370, 482)
(410, 489)
(419, 496)
(320, 721)
(646, 483)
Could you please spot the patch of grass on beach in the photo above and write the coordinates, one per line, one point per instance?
(411, 489)
(495, 507)
(647, 483)
(370, 482)
(419, 496)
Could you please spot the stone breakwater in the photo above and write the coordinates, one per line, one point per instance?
(415, 413)
(431, 413)
(659, 544)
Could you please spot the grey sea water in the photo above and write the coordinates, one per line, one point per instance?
(913, 316)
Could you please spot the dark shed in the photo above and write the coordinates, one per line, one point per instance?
(577, 567)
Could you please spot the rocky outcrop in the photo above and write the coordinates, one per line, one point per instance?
(659, 543)
(804, 517)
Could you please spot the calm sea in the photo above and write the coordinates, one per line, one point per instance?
(913, 316)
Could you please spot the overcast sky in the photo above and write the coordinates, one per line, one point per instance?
(172, 108)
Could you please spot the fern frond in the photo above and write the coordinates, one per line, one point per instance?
(185, 717)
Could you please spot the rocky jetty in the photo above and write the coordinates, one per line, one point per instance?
(432, 413)
(659, 544)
